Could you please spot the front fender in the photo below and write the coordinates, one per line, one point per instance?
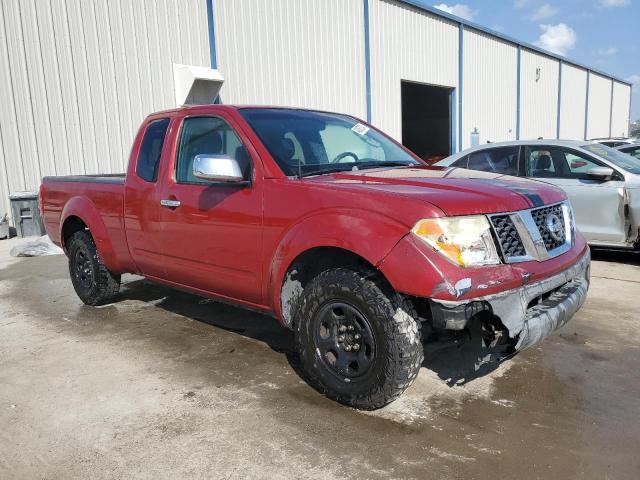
(86, 211)
(368, 234)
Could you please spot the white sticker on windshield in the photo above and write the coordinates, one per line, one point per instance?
(360, 129)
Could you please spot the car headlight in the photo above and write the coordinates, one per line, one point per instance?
(465, 241)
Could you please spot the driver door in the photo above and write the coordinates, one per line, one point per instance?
(213, 231)
(597, 204)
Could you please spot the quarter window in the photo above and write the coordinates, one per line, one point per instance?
(208, 136)
(151, 149)
(461, 162)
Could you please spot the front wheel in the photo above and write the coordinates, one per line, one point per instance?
(92, 281)
(358, 340)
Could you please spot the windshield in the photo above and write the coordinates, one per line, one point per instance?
(618, 158)
(310, 143)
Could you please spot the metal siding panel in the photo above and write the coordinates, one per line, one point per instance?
(78, 20)
(599, 105)
(620, 110)
(407, 44)
(11, 177)
(142, 43)
(572, 110)
(421, 4)
(68, 92)
(133, 63)
(490, 81)
(165, 51)
(287, 52)
(96, 59)
(4, 187)
(113, 122)
(78, 76)
(52, 78)
(23, 169)
(539, 96)
(38, 90)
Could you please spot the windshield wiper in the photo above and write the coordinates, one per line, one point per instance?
(389, 163)
(355, 166)
(344, 168)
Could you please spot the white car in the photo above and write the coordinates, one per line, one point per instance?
(603, 184)
(632, 149)
(614, 141)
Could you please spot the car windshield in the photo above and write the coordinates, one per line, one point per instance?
(618, 158)
(305, 143)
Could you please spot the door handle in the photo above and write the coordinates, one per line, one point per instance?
(170, 203)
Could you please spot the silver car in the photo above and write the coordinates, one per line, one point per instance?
(602, 183)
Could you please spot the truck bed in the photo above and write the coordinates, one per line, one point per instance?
(101, 197)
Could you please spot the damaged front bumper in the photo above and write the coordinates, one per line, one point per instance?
(529, 313)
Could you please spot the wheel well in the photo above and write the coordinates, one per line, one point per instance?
(72, 225)
(309, 264)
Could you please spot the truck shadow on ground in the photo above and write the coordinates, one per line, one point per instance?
(616, 256)
(455, 364)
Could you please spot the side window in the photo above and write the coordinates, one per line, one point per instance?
(634, 152)
(579, 165)
(502, 160)
(540, 162)
(208, 135)
(555, 162)
(151, 149)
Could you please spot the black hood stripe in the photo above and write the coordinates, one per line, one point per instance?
(531, 195)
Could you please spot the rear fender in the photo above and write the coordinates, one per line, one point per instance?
(367, 234)
(86, 211)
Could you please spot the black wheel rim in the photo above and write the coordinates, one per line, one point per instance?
(83, 270)
(344, 340)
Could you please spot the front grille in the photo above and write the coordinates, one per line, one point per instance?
(548, 219)
(508, 236)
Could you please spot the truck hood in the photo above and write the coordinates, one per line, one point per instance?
(455, 191)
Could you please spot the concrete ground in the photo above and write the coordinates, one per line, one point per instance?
(163, 384)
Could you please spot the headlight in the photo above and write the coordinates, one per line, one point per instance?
(466, 241)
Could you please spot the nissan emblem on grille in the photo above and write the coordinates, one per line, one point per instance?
(555, 227)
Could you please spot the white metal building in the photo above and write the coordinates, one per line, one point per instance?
(77, 76)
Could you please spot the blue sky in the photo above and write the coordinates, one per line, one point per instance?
(602, 34)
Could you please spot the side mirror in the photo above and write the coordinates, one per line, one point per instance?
(600, 173)
(217, 168)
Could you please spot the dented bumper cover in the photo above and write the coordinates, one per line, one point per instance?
(529, 313)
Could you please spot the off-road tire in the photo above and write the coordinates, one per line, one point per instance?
(95, 285)
(396, 330)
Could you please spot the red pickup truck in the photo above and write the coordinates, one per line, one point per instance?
(332, 227)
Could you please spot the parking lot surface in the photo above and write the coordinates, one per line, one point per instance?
(164, 384)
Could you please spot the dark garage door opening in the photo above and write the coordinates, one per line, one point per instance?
(426, 120)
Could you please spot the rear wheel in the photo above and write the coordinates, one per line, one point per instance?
(92, 281)
(359, 341)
